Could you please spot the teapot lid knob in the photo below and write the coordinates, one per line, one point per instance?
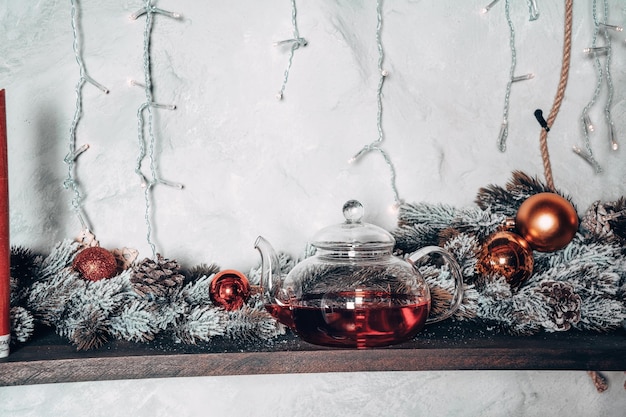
(353, 211)
(353, 233)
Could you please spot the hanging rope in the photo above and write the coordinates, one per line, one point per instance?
(567, 48)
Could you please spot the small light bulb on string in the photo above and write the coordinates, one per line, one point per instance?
(489, 6)
(70, 182)
(597, 50)
(588, 124)
(138, 13)
(612, 138)
(296, 42)
(394, 209)
(589, 158)
(135, 83)
(374, 146)
(171, 184)
(149, 151)
(524, 77)
(359, 154)
(173, 15)
(96, 84)
(143, 180)
(73, 156)
(162, 106)
(611, 27)
(533, 10)
(156, 10)
(504, 128)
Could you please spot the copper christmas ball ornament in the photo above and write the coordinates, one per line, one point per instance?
(507, 254)
(95, 263)
(547, 221)
(229, 289)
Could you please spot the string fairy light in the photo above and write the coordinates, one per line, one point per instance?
(374, 146)
(296, 42)
(609, 79)
(587, 124)
(147, 183)
(603, 74)
(71, 182)
(533, 15)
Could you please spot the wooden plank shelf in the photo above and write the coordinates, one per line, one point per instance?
(445, 346)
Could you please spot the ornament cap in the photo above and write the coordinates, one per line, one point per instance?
(508, 224)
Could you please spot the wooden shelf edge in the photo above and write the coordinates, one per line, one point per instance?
(254, 363)
(48, 362)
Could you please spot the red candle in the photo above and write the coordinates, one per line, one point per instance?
(5, 249)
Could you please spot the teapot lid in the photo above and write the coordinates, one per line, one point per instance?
(353, 234)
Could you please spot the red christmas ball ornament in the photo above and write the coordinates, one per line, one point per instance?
(547, 221)
(229, 289)
(95, 263)
(507, 254)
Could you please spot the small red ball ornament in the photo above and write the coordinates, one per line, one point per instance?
(95, 263)
(229, 289)
(547, 221)
(507, 254)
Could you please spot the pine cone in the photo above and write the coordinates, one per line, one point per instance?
(595, 221)
(565, 304)
(606, 221)
(160, 278)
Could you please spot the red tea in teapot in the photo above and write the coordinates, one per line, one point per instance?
(360, 318)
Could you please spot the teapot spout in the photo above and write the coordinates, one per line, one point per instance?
(271, 280)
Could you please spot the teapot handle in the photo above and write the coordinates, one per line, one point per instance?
(457, 297)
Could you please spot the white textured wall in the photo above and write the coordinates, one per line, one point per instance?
(253, 165)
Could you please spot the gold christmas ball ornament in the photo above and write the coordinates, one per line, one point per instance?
(547, 221)
(506, 254)
(95, 263)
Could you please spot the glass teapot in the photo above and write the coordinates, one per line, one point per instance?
(353, 292)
